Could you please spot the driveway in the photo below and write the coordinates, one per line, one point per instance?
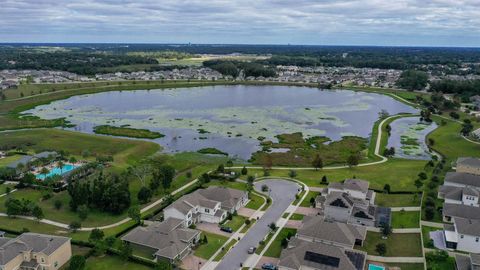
(212, 228)
(282, 194)
(308, 211)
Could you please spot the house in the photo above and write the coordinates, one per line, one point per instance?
(316, 229)
(467, 262)
(164, 240)
(34, 251)
(351, 202)
(459, 195)
(475, 100)
(462, 179)
(301, 254)
(468, 165)
(207, 205)
(452, 211)
(463, 235)
(23, 160)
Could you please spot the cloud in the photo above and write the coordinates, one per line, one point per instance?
(373, 22)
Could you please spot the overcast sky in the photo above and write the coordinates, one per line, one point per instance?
(320, 22)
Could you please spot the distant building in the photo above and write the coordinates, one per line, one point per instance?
(32, 251)
(206, 205)
(164, 240)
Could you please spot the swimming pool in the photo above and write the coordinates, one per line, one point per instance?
(56, 171)
(375, 267)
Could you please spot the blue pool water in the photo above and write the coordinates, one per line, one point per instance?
(56, 171)
(375, 267)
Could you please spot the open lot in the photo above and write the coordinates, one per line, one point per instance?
(398, 244)
(397, 200)
(403, 219)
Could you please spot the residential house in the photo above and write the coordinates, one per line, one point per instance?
(452, 211)
(475, 100)
(32, 251)
(352, 202)
(301, 254)
(164, 240)
(463, 235)
(316, 229)
(207, 205)
(468, 165)
(460, 188)
(467, 262)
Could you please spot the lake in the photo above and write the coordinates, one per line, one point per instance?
(229, 118)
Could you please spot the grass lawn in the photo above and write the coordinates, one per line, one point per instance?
(245, 229)
(7, 160)
(127, 132)
(447, 264)
(310, 195)
(397, 200)
(108, 262)
(276, 247)
(298, 197)
(296, 216)
(398, 244)
(207, 250)
(402, 179)
(427, 242)
(255, 201)
(125, 152)
(225, 250)
(404, 219)
(236, 222)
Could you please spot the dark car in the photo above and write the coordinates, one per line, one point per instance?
(269, 266)
(226, 229)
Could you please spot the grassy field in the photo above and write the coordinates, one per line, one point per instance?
(7, 160)
(403, 219)
(125, 152)
(215, 241)
(296, 216)
(225, 250)
(127, 132)
(255, 201)
(108, 262)
(310, 195)
(398, 245)
(396, 200)
(427, 242)
(275, 248)
(235, 223)
(405, 173)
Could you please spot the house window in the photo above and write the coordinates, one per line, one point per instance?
(461, 236)
(207, 210)
(476, 239)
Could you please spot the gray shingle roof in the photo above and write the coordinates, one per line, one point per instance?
(24, 160)
(467, 226)
(463, 262)
(345, 234)
(469, 161)
(169, 238)
(339, 199)
(456, 193)
(463, 179)
(462, 211)
(301, 253)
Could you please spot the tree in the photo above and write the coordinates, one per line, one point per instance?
(386, 229)
(163, 264)
(205, 239)
(77, 262)
(429, 213)
(60, 165)
(141, 171)
(96, 235)
(292, 173)
(244, 171)
(44, 171)
(37, 212)
(125, 250)
(82, 212)
(317, 162)
(353, 160)
(411, 79)
(267, 162)
(72, 160)
(324, 180)
(144, 195)
(386, 188)
(134, 213)
(20, 167)
(381, 249)
(166, 174)
(58, 204)
(422, 175)
(418, 183)
(74, 226)
(272, 226)
(221, 168)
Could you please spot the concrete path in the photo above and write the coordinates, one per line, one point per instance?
(431, 224)
(396, 259)
(283, 194)
(407, 209)
(5, 194)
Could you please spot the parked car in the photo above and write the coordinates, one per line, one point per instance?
(251, 250)
(269, 266)
(226, 229)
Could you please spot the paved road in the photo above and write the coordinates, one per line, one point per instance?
(282, 194)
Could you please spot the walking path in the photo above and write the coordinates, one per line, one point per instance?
(406, 209)
(396, 259)
(5, 194)
(431, 224)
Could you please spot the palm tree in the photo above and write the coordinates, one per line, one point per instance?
(72, 160)
(60, 165)
(44, 171)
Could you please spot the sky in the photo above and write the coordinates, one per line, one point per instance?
(308, 22)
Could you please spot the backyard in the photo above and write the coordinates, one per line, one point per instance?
(404, 219)
(398, 244)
